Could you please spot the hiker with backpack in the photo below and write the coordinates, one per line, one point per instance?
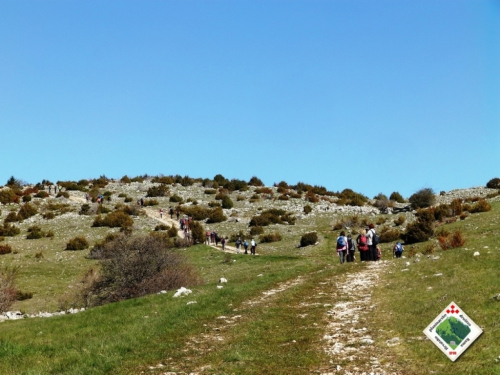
(342, 247)
(372, 240)
(351, 248)
(397, 250)
(361, 240)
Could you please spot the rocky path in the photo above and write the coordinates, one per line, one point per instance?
(348, 338)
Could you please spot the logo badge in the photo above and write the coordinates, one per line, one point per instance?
(453, 331)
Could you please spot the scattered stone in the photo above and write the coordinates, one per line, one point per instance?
(438, 274)
(182, 292)
(220, 286)
(191, 302)
(476, 254)
(222, 280)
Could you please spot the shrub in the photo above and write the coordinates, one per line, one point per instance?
(122, 195)
(307, 209)
(418, 231)
(263, 190)
(381, 220)
(8, 291)
(172, 232)
(210, 191)
(176, 199)
(115, 219)
(254, 231)
(429, 248)
(396, 197)
(227, 202)
(48, 215)
(442, 211)
(308, 239)
(255, 181)
(26, 198)
(480, 206)
(214, 204)
(84, 209)
(161, 227)
(311, 197)
(34, 233)
(8, 196)
(283, 197)
(494, 183)
(389, 235)
(216, 216)
(400, 220)
(157, 191)
(451, 241)
(456, 206)
(128, 200)
(270, 237)
(5, 249)
(132, 210)
(150, 202)
(197, 213)
(101, 209)
(197, 232)
(77, 243)
(9, 230)
(422, 198)
(50, 234)
(11, 217)
(64, 194)
(26, 211)
(137, 266)
(41, 194)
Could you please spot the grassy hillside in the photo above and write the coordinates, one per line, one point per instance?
(272, 314)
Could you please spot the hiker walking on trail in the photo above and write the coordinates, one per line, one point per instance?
(253, 245)
(223, 243)
(161, 213)
(371, 237)
(245, 245)
(398, 249)
(212, 237)
(362, 246)
(171, 212)
(207, 235)
(342, 247)
(178, 213)
(217, 239)
(351, 248)
(238, 245)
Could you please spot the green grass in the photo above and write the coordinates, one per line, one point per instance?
(408, 301)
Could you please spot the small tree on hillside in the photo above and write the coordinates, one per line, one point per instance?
(423, 198)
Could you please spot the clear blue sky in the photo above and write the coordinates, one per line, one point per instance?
(376, 96)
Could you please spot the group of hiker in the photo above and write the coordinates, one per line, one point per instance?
(213, 238)
(367, 242)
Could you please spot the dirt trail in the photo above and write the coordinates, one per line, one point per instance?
(347, 340)
(155, 214)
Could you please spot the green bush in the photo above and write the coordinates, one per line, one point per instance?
(34, 233)
(422, 198)
(5, 249)
(115, 219)
(172, 232)
(63, 194)
(389, 235)
(84, 209)
(196, 212)
(270, 237)
(150, 202)
(308, 239)
(157, 191)
(9, 230)
(216, 215)
(11, 217)
(8, 196)
(48, 215)
(480, 206)
(161, 227)
(272, 216)
(494, 183)
(227, 202)
(400, 220)
(255, 181)
(8, 291)
(421, 229)
(176, 199)
(210, 191)
(254, 231)
(26, 211)
(396, 197)
(197, 232)
(26, 198)
(77, 243)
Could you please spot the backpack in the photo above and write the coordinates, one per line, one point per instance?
(341, 242)
(375, 239)
(351, 246)
(362, 246)
(398, 248)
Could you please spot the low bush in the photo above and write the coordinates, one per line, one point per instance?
(255, 231)
(63, 194)
(161, 227)
(176, 199)
(26, 211)
(42, 194)
(8, 196)
(197, 212)
(494, 183)
(172, 232)
(9, 230)
(115, 219)
(400, 220)
(308, 239)
(270, 237)
(418, 231)
(214, 204)
(157, 191)
(150, 202)
(11, 217)
(451, 241)
(26, 198)
(480, 206)
(263, 190)
(255, 181)
(122, 195)
(283, 197)
(389, 235)
(85, 209)
(197, 232)
(5, 249)
(34, 233)
(226, 202)
(136, 266)
(422, 198)
(102, 209)
(77, 243)
(128, 200)
(396, 197)
(307, 209)
(8, 291)
(216, 215)
(210, 191)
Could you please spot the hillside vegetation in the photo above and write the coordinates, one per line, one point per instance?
(289, 310)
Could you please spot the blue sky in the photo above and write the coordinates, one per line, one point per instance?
(376, 96)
